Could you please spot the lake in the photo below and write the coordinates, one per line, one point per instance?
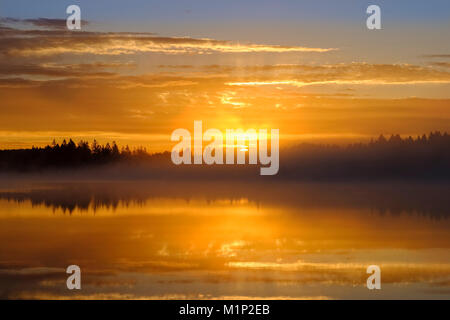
(222, 239)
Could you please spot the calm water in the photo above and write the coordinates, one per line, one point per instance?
(224, 240)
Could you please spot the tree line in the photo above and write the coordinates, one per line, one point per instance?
(425, 156)
(68, 154)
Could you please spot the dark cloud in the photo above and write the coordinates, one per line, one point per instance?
(61, 70)
(58, 24)
(51, 23)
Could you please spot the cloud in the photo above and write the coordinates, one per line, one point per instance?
(56, 24)
(31, 271)
(437, 56)
(300, 75)
(17, 83)
(346, 74)
(220, 76)
(441, 64)
(61, 70)
(14, 42)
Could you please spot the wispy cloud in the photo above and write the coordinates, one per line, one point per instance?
(347, 74)
(437, 56)
(441, 64)
(61, 70)
(46, 23)
(267, 75)
(51, 42)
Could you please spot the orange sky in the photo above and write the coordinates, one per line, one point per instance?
(136, 88)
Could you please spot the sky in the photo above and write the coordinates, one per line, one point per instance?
(138, 70)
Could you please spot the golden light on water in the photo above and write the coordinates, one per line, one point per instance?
(205, 241)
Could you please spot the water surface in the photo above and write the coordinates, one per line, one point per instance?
(164, 240)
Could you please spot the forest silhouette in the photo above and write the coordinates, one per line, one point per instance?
(67, 155)
(423, 157)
